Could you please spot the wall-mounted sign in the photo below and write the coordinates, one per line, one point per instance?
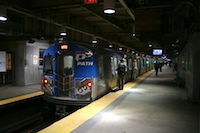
(90, 1)
(35, 59)
(2, 61)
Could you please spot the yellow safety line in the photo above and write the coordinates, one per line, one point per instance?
(19, 98)
(71, 122)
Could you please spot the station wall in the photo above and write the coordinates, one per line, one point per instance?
(26, 60)
(33, 65)
(189, 66)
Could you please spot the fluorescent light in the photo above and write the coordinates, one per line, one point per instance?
(109, 6)
(94, 41)
(109, 11)
(63, 33)
(3, 13)
(133, 30)
(2, 18)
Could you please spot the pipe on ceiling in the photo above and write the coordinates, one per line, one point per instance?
(127, 9)
(58, 24)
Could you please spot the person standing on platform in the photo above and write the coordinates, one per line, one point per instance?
(156, 66)
(160, 65)
(121, 72)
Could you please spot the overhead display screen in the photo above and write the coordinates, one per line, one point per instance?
(157, 51)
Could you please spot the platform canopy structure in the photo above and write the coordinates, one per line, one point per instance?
(134, 25)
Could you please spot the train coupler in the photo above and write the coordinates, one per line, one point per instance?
(61, 110)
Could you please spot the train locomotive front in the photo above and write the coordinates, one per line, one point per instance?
(70, 75)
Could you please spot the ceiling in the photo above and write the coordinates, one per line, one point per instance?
(161, 23)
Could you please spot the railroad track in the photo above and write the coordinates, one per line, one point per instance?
(28, 116)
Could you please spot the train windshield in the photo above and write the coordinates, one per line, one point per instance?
(68, 64)
(48, 65)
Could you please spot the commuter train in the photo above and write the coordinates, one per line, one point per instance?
(77, 74)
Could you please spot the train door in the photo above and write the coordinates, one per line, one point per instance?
(136, 71)
(114, 75)
(139, 66)
(65, 75)
(130, 68)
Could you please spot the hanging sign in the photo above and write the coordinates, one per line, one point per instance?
(2, 61)
(90, 1)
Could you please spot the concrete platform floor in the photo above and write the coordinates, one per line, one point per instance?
(7, 92)
(155, 105)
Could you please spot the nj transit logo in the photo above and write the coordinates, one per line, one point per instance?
(83, 56)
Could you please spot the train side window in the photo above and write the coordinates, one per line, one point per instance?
(135, 64)
(142, 62)
(130, 62)
(100, 61)
(114, 64)
(125, 62)
(48, 64)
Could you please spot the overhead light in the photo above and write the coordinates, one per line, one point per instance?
(63, 31)
(94, 39)
(109, 6)
(133, 30)
(3, 13)
(150, 45)
(110, 45)
(120, 48)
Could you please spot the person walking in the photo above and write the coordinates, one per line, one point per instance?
(156, 66)
(121, 72)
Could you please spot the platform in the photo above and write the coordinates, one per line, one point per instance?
(151, 104)
(9, 94)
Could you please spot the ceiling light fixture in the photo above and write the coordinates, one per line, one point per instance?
(133, 30)
(150, 45)
(109, 6)
(3, 13)
(94, 39)
(63, 31)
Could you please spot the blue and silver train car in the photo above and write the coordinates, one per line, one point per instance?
(75, 74)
